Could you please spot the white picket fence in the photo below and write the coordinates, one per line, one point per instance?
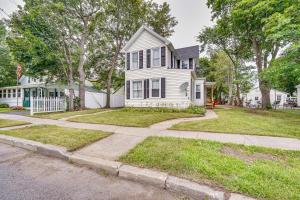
(47, 104)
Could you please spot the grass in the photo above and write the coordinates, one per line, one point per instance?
(134, 117)
(70, 138)
(258, 172)
(61, 115)
(9, 123)
(245, 121)
(5, 110)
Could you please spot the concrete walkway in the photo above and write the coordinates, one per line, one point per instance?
(126, 138)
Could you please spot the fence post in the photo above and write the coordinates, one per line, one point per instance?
(31, 106)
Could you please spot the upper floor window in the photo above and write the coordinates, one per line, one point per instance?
(185, 64)
(278, 97)
(155, 87)
(156, 57)
(135, 60)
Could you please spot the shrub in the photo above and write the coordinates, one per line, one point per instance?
(4, 105)
(192, 109)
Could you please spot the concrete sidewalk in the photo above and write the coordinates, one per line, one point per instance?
(126, 138)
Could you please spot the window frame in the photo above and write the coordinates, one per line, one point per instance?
(131, 58)
(159, 87)
(152, 56)
(132, 91)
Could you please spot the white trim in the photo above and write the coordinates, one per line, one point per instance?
(131, 89)
(150, 88)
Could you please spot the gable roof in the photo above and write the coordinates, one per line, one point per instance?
(188, 52)
(139, 32)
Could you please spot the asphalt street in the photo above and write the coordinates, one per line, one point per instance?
(28, 176)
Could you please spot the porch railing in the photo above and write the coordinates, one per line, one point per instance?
(47, 104)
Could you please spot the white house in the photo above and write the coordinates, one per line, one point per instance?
(254, 97)
(33, 87)
(298, 95)
(158, 75)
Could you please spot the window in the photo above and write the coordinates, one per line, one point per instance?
(185, 64)
(137, 89)
(0, 94)
(156, 57)
(198, 91)
(8, 93)
(278, 97)
(4, 93)
(19, 92)
(135, 60)
(155, 87)
(256, 98)
(14, 93)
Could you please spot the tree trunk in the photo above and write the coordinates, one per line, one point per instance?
(81, 72)
(71, 95)
(263, 86)
(238, 95)
(108, 86)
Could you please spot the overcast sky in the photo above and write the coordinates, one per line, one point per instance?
(192, 16)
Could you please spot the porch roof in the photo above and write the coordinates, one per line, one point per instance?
(210, 84)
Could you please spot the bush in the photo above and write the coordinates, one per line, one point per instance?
(4, 105)
(192, 109)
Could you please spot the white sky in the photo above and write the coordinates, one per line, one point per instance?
(192, 16)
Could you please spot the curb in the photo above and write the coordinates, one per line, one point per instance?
(144, 176)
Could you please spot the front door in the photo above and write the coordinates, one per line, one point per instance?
(26, 100)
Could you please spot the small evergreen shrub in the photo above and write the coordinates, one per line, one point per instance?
(4, 105)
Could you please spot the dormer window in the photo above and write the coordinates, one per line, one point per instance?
(135, 60)
(156, 57)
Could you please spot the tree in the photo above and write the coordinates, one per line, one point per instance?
(37, 44)
(250, 18)
(7, 67)
(122, 20)
(223, 38)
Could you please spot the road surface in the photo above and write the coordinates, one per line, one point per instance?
(28, 176)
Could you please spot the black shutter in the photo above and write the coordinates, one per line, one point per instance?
(172, 59)
(148, 58)
(191, 63)
(163, 56)
(163, 87)
(141, 59)
(146, 88)
(178, 64)
(128, 61)
(127, 89)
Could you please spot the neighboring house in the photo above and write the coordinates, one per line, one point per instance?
(32, 87)
(254, 97)
(158, 75)
(298, 95)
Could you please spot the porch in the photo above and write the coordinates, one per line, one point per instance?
(209, 94)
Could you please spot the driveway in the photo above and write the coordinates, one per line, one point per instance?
(25, 175)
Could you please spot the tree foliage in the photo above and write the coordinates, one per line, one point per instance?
(7, 66)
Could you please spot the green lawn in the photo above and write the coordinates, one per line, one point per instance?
(5, 110)
(9, 123)
(245, 121)
(61, 115)
(70, 138)
(134, 117)
(258, 172)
